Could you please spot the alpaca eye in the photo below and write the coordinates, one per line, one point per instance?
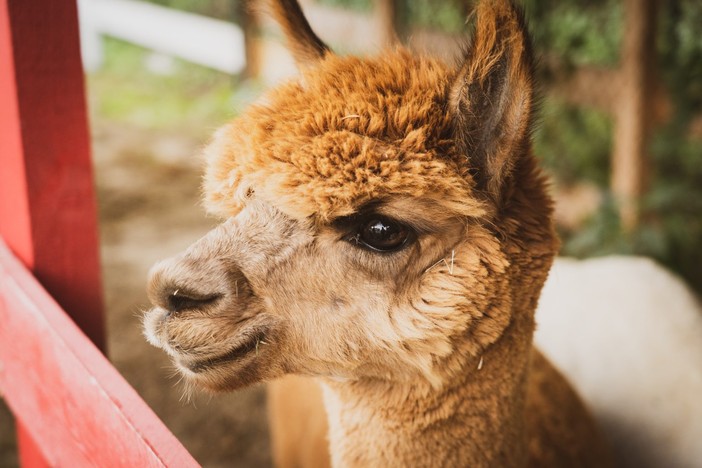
(382, 234)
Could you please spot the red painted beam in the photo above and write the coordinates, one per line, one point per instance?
(81, 411)
(47, 203)
(29, 453)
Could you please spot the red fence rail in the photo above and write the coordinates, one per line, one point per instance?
(76, 406)
(72, 407)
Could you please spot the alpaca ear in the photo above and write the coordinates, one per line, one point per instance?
(492, 96)
(303, 43)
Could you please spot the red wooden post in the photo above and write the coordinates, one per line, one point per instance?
(48, 211)
(47, 203)
(74, 408)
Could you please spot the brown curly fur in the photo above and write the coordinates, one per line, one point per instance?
(350, 131)
(424, 355)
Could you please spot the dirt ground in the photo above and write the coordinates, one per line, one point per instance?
(148, 192)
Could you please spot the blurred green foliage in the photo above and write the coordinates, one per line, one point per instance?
(574, 142)
(222, 9)
(576, 33)
(187, 98)
(680, 52)
(355, 5)
(447, 15)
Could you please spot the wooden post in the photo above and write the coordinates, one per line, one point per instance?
(633, 113)
(48, 213)
(250, 23)
(386, 15)
(47, 203)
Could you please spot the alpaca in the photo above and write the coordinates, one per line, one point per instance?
(386, 233)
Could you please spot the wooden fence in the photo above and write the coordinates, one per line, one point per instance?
(72, 407)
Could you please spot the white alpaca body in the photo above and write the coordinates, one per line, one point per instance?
(628, 334)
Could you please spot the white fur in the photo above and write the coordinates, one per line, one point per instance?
(628, 334)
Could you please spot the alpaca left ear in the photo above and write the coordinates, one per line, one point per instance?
(492, 96)
(304, 45)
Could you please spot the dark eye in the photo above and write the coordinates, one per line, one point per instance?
(382, 234)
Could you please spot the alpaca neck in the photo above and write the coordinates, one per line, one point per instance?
(476, 419)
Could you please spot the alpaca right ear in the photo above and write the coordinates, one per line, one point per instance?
(492, 96)
(305, 46)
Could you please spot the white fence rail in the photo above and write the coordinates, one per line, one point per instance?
(205, 41)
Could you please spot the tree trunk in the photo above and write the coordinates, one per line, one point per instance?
(633, 122)
(250, 23)
(386, 15)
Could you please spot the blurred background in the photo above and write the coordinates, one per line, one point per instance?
(620, 133)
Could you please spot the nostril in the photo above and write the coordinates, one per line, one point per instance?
(182, 300)
(183, 284)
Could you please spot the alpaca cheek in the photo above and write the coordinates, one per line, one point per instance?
(342, 330)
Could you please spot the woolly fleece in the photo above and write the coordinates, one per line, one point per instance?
(349, 131)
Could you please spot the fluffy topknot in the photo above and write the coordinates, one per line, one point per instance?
(350, 130)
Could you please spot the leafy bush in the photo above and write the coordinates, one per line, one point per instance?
(575, 33)
(222, 9)
(448, 15)
(355, 5)
(575, 143)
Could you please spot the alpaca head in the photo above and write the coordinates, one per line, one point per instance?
(382, 218)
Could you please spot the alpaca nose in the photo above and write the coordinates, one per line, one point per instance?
(178, 300)
(184, 284)
(205, 277)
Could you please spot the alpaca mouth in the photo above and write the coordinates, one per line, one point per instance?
(244, 349)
